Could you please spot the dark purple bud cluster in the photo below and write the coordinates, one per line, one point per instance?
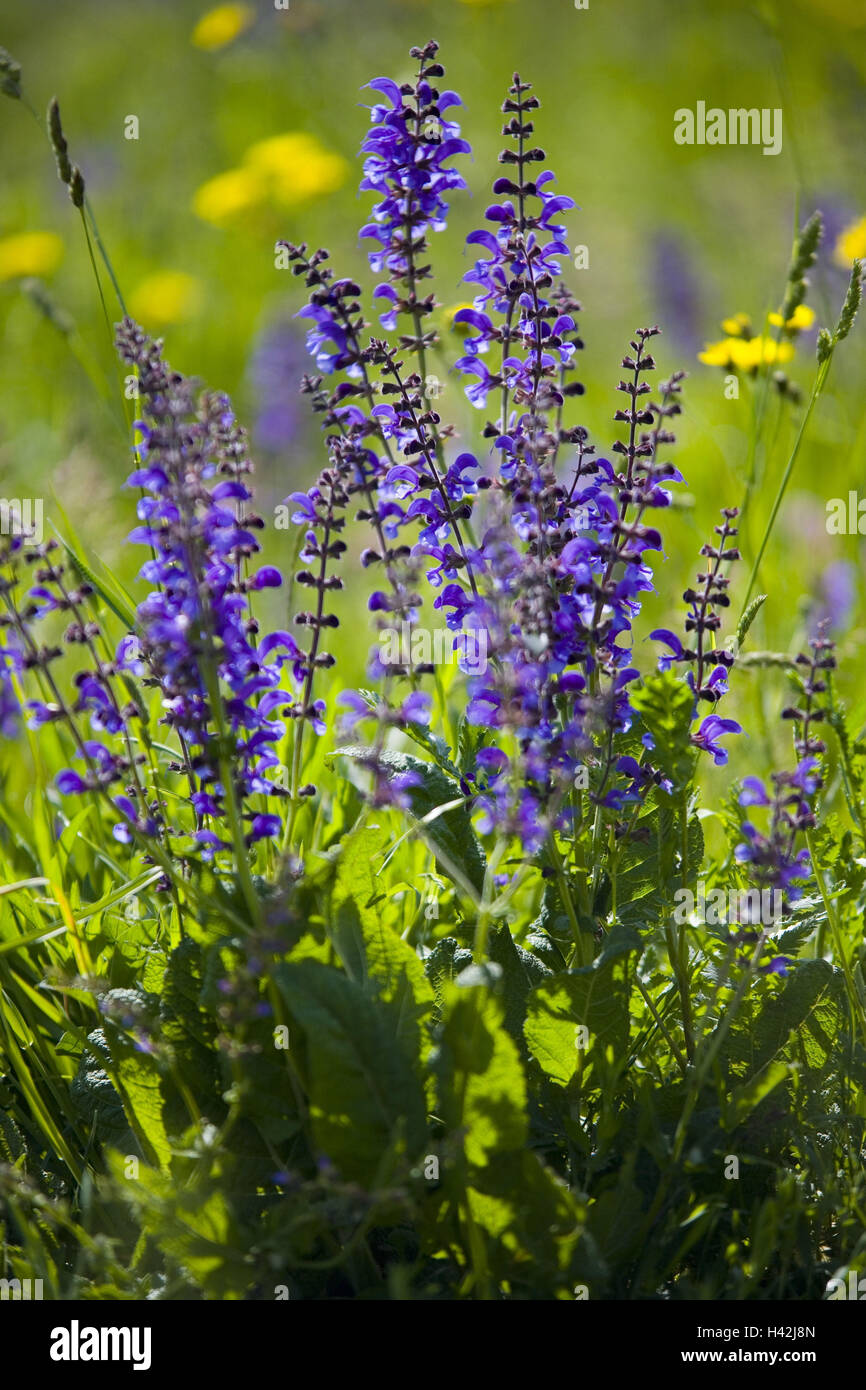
(711, 593)
(773, 859)
(518, 311)
(707, 665)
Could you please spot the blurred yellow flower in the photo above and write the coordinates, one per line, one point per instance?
(851, 244)
(298, 166)
(801, 319)
(235, 191)
(283, 170)
(737, 326)
(221, 26)
(746, 354)
(169, 296)
(29, 253)
(461, 329)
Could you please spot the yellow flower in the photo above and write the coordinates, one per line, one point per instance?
(297, 165)
(763, 351)
(30, 253)
(283, 170)
(746, 355)
(222, 26)
(802, 317)
(227, 195)
(738, 326)
(720, 354)
(461, 329)
(851, 245)
(169, 296)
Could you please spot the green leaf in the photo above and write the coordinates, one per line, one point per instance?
(190, 1222)
(370, 949)
(648, 875)
(533, 1222)
(137, 1078)
(364, 1095)
(482, 1087)
(95, 1098)
(443, 965)
(595, 996)
(520, 972)
(665, 704)
(450, 834)
(117, 1091)
(191, 1032)
(802, 1024)
(745, 1098)
(471, 738)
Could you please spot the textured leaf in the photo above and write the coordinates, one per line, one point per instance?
(189, 1029)
(647, 877)
(532, 1218)
(371, 950)
(363, 1091)
(482, 1088)
(664, 704)
(443, 965)
(520, 972)
(801, 1024)
(594, 996)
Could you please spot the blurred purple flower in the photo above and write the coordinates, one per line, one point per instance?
(677, 290)
(276, 367)
(835, 597)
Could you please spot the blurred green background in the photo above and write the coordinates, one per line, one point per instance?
(681, 236)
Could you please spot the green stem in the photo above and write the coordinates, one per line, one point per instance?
(820, 380)
(482, 926)
(683, 944)
(565, 898)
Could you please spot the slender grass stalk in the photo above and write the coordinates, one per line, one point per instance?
(817, 388)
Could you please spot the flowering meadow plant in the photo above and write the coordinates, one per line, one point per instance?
(381, 991)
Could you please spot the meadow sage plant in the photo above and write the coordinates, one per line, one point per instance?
(318, 992)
